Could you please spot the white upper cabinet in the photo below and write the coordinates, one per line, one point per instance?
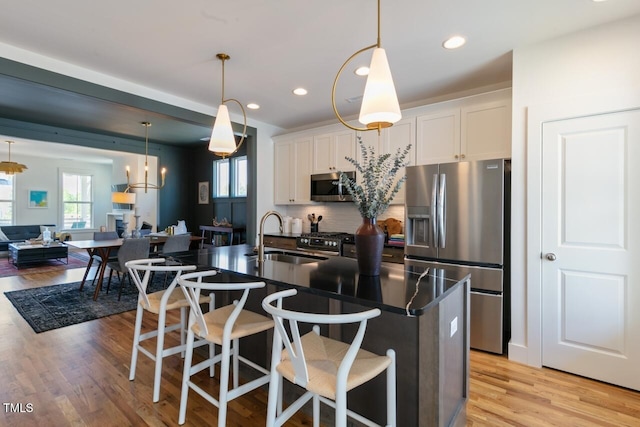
(330, 150)
(476, 127)
(486, 131)
(438, 137)
(390, 140)
(475, 131)
(292, 168)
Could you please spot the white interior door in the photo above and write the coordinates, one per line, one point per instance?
(591, 247)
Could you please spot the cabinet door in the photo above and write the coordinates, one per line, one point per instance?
(302, 171)
(438, 139)
(486, 131)
(344, 145)
(399, 136)
(323, 153)
(283, 173)
(330, 150)
(292, 172)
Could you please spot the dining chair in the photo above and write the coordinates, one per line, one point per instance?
(176, 243)
(113, 256)
(159, 302)
(131, 249)
(223, 326)
(326, 368)
(173, 244)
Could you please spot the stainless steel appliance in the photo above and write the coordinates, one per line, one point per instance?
(326, 187)
(323, 242)
(458, 218)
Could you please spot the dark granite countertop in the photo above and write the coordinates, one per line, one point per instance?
(398, 289)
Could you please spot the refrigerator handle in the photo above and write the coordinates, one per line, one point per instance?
(434, 213)
(442, 211)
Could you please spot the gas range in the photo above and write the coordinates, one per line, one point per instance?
(326, 242)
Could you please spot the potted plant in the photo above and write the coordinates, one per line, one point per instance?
(372, 196)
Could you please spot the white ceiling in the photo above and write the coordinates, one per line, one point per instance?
(278, 45)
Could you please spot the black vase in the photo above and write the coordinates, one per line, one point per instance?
(369, 242)
(369, 287)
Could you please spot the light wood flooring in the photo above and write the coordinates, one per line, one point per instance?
(78, 376)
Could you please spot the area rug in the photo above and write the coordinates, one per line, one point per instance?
(57, 306)
(76, 260)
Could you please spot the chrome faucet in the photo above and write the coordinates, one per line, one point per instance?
(261, 235)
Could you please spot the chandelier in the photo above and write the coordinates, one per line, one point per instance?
(10, 167)
(146, 185)
(379, 107)
(223, 142)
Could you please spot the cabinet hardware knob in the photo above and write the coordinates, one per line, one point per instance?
(455, 157)
(463, 156)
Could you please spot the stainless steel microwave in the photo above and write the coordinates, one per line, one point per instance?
(326, 187)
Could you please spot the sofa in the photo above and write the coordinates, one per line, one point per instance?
(20, 233)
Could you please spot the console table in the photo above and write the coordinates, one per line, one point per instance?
(211, 230)
(26, 253)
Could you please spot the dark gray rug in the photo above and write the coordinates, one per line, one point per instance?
(57, 306)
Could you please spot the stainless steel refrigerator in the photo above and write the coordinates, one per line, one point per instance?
(457, 217)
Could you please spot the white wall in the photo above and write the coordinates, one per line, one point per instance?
(602, 61)
(44, 174)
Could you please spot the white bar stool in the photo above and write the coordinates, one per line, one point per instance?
(222, 326)
(158, 303)
(326, 368)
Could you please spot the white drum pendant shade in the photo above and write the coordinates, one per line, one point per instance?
(222, 139)
(379, 102)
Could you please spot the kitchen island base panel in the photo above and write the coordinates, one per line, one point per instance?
(432, 368)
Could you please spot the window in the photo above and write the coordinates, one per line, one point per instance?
(221, 178)
(240, 176)
(77, 200)
(230, 177)
(6, 199)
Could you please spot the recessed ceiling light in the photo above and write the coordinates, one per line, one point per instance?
(362, 71)
(253, 106)
(454, 42)
(598, 1)
(300, 91)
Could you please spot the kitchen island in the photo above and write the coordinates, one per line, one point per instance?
(425, 319)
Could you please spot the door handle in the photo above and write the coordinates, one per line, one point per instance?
(434, 211)
(442, 211)
(551, 256)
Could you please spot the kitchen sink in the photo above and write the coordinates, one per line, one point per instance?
(289, 257)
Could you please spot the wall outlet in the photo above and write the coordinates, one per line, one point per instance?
(453, 327)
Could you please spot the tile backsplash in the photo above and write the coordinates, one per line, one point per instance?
(336, 216)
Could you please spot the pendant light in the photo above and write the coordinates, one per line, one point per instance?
(146, 185)
(223, 141)
(380, 108)
(10, 167)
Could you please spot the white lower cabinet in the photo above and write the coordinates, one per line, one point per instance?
(292, 170)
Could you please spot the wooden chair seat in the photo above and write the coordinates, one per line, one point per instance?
(324, 356)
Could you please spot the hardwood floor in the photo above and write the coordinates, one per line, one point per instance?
(78, 376)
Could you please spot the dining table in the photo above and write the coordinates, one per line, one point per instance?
(103, 249)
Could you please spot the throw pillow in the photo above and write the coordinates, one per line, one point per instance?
(3, 237)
